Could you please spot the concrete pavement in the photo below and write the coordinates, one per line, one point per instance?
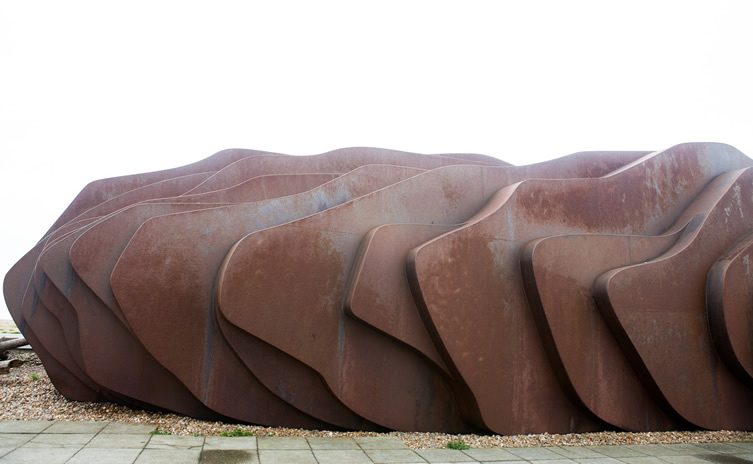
(56, 442)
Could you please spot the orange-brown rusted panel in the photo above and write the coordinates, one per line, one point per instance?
(169, 269)
(729, 303)
(477, 305)
(316, 254)
(342, 160)
(102, 336)
(583, 351)
(166, 188)
(256, 189)
(106, 240)
(272, 289)
(379, 294)
(658, 310)
(558, 273)
(102, 190)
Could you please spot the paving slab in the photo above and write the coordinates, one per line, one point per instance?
(535, 453)
(458, 462)
(115, 427)
(603, 460)
(76, 427)
(175, 442)
(492, 454)
(368, 443)
(685, 459)
(444, 455)
(380, 456)
(62, 446)
(111, 440)
(333, 443)
(228, 456)
(283, 443)
(642, 460)
(13, 440)
(504, 462)
(684, 449)
(747, 446)
(61, 440)
(723, 448)
(553, 461)
(229, 443)
(573, 452)
(105, 456)
(341, 456)
(38, 455)
(24, 426)
(267, 456)
(168, 456)
(615, 451)
(669, 450)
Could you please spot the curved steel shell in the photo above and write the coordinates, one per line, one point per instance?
(374, 289)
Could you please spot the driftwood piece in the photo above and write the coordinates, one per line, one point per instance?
(6, 365)
(10, 344)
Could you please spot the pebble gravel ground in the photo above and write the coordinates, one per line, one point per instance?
(26, 393)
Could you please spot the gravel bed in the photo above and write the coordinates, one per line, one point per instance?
(26, 393)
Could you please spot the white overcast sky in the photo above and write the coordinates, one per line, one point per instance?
(98, 89)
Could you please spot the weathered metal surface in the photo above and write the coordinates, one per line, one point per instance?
(38, 296)
(329, 292)
(584, 354)
(317, 254)
(93, 256)
(256, 189)
(342, 160)
(158, 189)
(105, 244)
(659, 310)
(729, 303)
(102, 190)
(477, 158)
(379, 294)
(170, 266)
(587, 360)
(45, 318)
(67, 384)
(18, 279)
(101, 335)
(166, 188)
(502, 360)
(289, 379)
(62, 340)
